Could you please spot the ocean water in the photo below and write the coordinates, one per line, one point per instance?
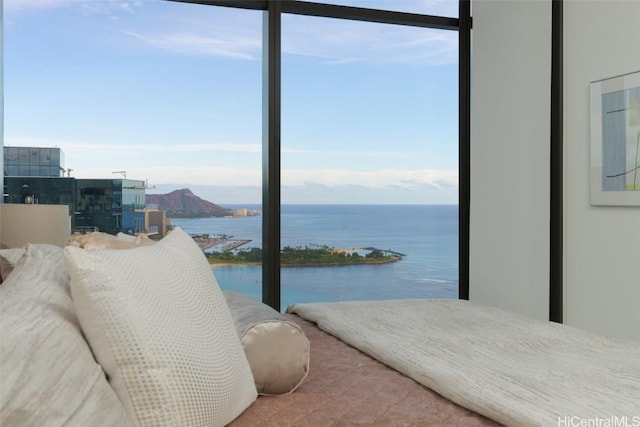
(426, 234)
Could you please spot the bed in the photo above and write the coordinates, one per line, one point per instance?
(144, 336)
(453, 362)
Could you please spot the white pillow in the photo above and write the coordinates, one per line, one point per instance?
(125, 237)
(99, 240)
(49, 375)
(160, 327)
(8, 258)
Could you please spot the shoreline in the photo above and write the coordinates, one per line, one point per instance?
(317, 264)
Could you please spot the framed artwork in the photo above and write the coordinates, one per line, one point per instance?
(615, 141)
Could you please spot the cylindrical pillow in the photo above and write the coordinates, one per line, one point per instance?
(277, 349)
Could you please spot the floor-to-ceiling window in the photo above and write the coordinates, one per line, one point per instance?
(163, 92)
(172, 93)
(369, 160)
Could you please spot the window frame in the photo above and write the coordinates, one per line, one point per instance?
(271, 167)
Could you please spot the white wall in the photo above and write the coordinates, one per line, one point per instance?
(510, 133)
(602, 244)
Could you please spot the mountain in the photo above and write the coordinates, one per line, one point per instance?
(184, 204)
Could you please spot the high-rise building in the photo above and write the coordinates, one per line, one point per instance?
(111, 205)
(33, 161)
(36, 175)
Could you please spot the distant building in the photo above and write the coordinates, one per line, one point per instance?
(245, 212)
(108, 205)
(33, 161)
(156, 220)
(43, 190)
(111, 205)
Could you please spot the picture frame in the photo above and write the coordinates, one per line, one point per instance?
(615, 141)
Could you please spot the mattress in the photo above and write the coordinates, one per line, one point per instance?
(347, 387)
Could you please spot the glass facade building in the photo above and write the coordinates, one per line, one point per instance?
(110, 205)
(43, 190)
(33, 161)
(36, 175)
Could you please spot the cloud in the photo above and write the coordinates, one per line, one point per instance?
(20, 5)
(234, 34)
(110, 7)
(202, 31)
(229, 33)
(336, 41)
(91, 7)
(91, 160)
(201, 175)
(242, 184)
(69, 147)
(330, 180)
(346, 153)
(358, 194)
(124, 149)
(390, 178)
(227, 46)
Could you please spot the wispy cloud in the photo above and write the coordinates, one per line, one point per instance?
(228, 46)
(201, 30)
(20, 5)
(91, 160)
(228, 33)
(142, 161)
(91, 7)
(405, 180)
(124, 149)
(376, 178)
(345, 153)
(110, 7)
(70, 146)
(335, 41)
(189, 175)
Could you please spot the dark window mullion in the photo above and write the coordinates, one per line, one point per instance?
(352, 13)
(464, 145)
(271, 156)
(556, 287)
(238, 4)
(368, 15)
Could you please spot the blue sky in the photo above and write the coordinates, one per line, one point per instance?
(171, 93)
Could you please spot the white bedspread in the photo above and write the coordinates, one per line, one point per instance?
(514, 370)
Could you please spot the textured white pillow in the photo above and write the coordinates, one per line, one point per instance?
(160, 327)
(49, 375)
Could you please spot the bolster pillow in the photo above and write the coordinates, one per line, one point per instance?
(277, 349)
